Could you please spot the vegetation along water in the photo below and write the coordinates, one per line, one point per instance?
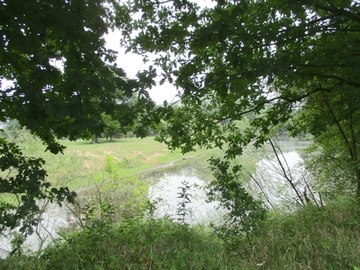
(82, 140)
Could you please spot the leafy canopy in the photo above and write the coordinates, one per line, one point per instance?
(64, 81)
(272, 59)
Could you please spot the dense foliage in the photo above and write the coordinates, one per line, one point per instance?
(273, 59)
(62, 82)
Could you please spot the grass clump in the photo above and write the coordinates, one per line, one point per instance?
(311, 238)
(133, 244)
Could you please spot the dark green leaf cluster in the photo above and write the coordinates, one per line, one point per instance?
(55, 53)
(62, 83)
(244, 214)
(26, 186)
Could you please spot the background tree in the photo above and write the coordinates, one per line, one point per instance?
(269, 58)
(112, 128)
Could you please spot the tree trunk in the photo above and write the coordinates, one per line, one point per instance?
(95, 139)
(358, 183)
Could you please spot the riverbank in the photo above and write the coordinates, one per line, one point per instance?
(123, 174)
(307, 238)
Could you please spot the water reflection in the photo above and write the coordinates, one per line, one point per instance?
(166, 193)
(282, 182)
(52, 219)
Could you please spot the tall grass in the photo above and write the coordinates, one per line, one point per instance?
(133, 244)
(311, 238)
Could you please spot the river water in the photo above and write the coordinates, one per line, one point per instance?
(52, 219)
(282, 183)
(269, 183)
(167, 195)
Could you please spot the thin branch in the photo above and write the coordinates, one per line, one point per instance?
(338, 125)
(287, 178)
(332, 9)
(311, 191)
(262, 191)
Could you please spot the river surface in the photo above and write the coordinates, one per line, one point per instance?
(281, 182)
(270, 183)
(167, 195)
(53, 219)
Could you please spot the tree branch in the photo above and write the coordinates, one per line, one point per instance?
(332, 9)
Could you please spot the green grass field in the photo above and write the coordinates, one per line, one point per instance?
(83, 160)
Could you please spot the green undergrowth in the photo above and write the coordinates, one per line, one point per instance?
(132, 244)
(310, 238)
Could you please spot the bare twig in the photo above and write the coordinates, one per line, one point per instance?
(285, 173)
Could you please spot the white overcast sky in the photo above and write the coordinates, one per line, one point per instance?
(133, 63)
